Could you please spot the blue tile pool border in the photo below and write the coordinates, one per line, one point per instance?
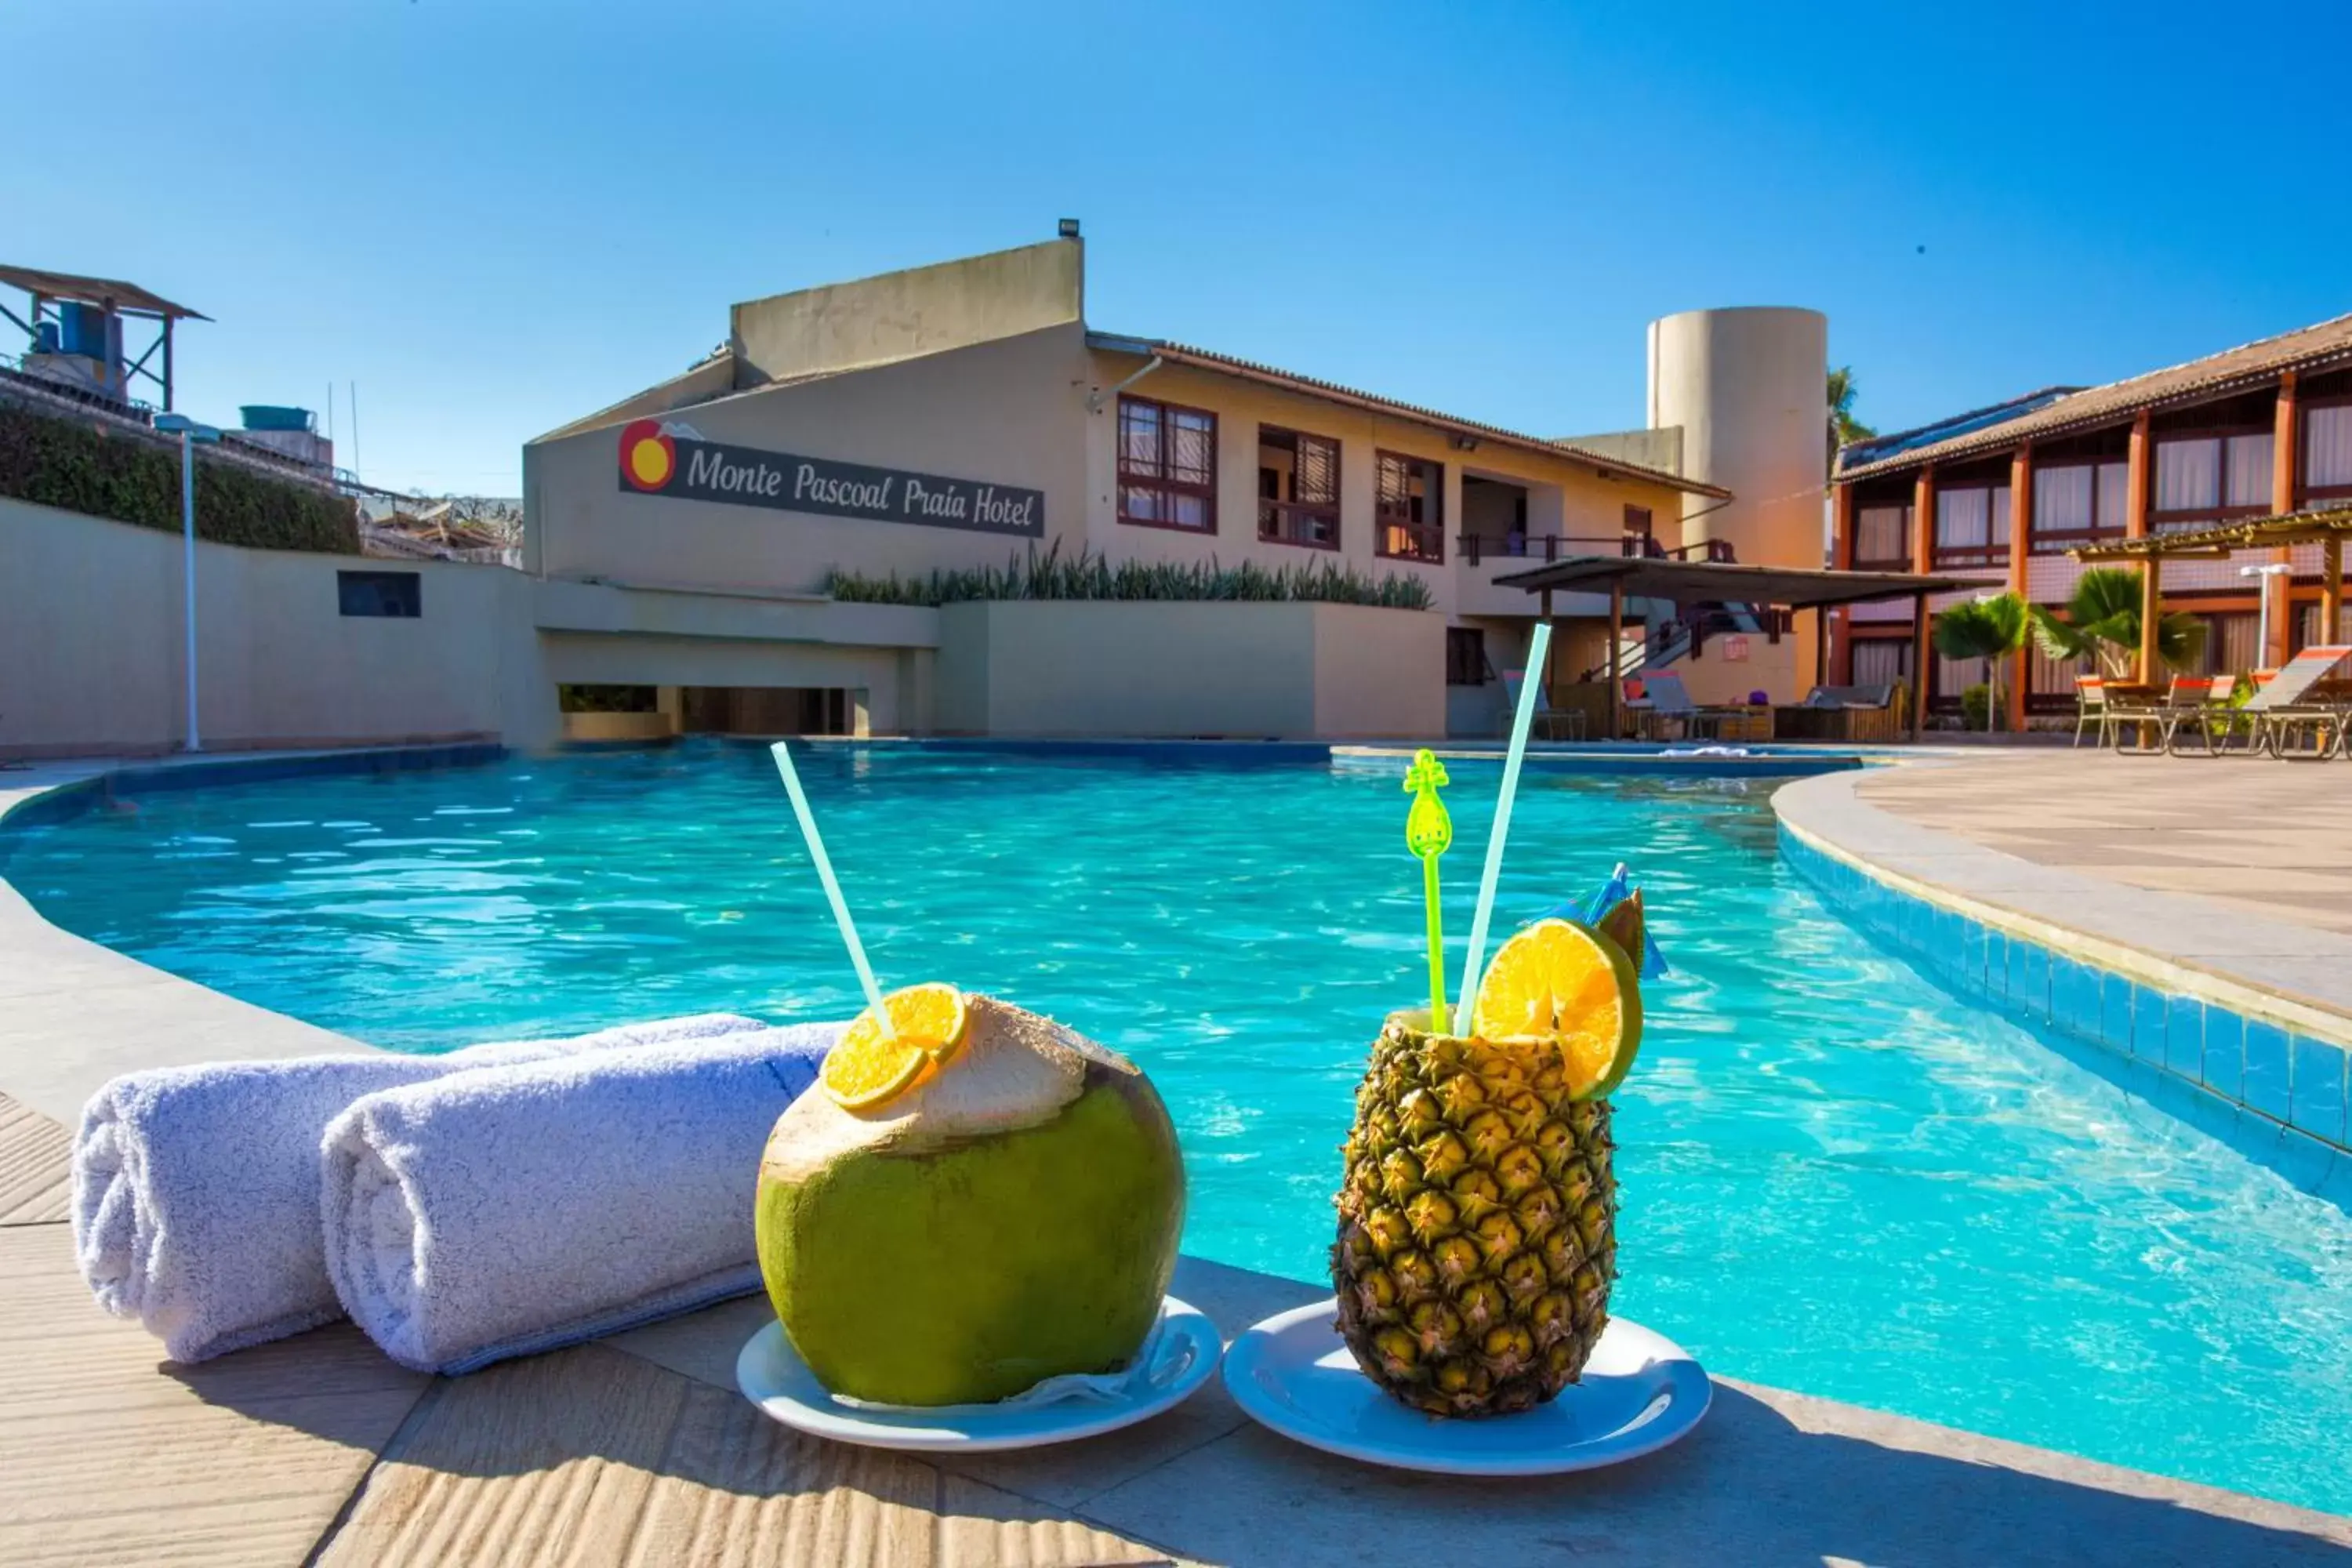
(2231, 1075)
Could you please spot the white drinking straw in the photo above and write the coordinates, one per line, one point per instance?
(1521, 722)
(831, 887)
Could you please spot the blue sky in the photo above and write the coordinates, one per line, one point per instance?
(496, 215)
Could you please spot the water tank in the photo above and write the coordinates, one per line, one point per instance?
(81, 330)
(44, 338)
(273, 416)
(1749, 388)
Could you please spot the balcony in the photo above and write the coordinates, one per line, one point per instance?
(1517, 550)
(1314, 525)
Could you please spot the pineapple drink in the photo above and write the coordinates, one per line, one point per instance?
(1478, 1207)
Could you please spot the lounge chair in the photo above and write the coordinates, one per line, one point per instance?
(1864, 715)
(2091, 711)
(1654, 699)
(1550, 722)
(2280, 709)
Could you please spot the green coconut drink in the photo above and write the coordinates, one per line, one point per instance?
(971, 1203)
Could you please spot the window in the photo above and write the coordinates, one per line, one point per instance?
(1297, 489)
(1637, 521)
(1882, 538)
(2077, 502)
(2050, 682)
(1882, 661)
(1465, 656)
(394, 593)
(1972, 525)
(2234, 643)
(1408, 509)
(2327, 450)
(2201, 480)
(1167, 466)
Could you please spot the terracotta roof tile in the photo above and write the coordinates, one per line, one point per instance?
(2326, 343)
(1206, 358)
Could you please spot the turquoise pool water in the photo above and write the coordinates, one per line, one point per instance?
(1836, 1178)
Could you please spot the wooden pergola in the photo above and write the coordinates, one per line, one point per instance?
(2327, 527)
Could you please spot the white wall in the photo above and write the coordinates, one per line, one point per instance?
(91, 641)
(1184, 670)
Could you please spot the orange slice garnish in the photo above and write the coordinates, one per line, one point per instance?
(870, 1068)
(1560, 981)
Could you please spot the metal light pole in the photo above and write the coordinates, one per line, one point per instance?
(190, 433)
(2265, 573)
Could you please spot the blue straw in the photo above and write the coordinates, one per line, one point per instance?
(1521, 721)
(831, 886)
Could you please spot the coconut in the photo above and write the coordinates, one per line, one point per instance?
(1012, 1217)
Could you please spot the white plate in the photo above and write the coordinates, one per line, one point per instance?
(1639, 1393)
(772, 1376)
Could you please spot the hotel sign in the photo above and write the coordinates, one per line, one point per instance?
(669, 459)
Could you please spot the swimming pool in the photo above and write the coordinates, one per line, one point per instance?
(1837, 1178)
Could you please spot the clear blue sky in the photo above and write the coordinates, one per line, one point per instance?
(496, 216)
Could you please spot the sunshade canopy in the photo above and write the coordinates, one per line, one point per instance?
(108, 291)
(1724, 583)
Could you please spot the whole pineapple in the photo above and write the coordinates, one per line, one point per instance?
(1478, 1224)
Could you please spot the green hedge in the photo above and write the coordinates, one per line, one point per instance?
(1087, 575)
(59, 461)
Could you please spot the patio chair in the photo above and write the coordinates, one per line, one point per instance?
(2152, 723)
(2090, 710)
(2281, 707)
(2206, 716)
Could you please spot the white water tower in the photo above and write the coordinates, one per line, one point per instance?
(1749, 388)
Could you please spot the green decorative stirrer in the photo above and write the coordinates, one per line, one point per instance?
(1429, 833)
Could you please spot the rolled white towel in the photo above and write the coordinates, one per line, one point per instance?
(196, 1188)
(513, 1209)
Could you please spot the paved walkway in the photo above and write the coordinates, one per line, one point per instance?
(2265, 837)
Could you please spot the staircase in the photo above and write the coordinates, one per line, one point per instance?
(1674, 639)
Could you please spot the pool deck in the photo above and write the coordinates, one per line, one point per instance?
(636, 1449)
(2232, 876)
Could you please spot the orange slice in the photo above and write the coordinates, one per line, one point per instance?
(868, 1068)
(1560, 981)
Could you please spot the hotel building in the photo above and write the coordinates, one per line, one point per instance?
(2001, 494)
(957, 416)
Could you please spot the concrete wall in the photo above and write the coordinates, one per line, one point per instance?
(1661, 449)
(90, 644)
(901, 315)
(1291, 671)
(1008, 411)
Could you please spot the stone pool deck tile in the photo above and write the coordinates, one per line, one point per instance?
(1772, 1479)
(2265, 837)
(36, 1178)
(2082, 876)
(589, 1456)
(109, 1454)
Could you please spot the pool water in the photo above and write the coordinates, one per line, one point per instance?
(1836, 1177)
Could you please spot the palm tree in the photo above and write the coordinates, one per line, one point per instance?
(2101, 623)
(1991, 628)
(1844, 428)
